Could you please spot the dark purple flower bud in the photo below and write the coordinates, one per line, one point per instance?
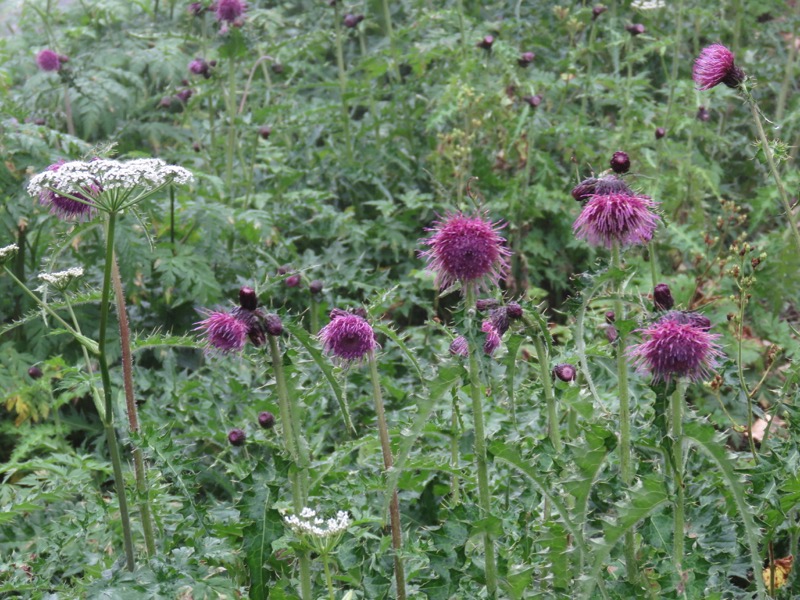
(525, 59)
(351, 20)
(195, 9)
(266, 420)
(213, 63)
(39, 121)
(611, 334)
(236, 437)
(703, 114)
(184, 95)
(514, 310)
(230, 11)
(35, 372)
(610, 316)
(565, 372)
(196, 146)
(273, 325)
(486, 304)
(265, 132)
(636, 29)
(200, 67)
(247, 298)
(492, 341)
(315, 287)
(166, 102)
(662, 297)
(277, 68)
(292, 281)
(585, 189)
(660, 132)
(486, 42)
(498, 317)
(597, 11)
(533, 101)
(612, 185)
(49, 60)
(284, 269)
(620, 162)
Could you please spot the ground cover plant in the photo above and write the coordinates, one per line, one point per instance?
(399, 299)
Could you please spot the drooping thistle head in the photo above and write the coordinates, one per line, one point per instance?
(348, 337)
(716, 65)
(466, 249)
(677, 345)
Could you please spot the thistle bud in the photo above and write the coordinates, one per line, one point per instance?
(273, 325)
(565, 372)
(597, 11)
(533, 101)
(35, 372)
(703, 115)
(585, 189)
(486, 42)
(315, 287)
(662, 297)
(266, 420)
(284, 269)
(620, 162)
(611, 334)
(247, 298)
(486, 304)
(236, 437)
(660, 132)
(514, 310)
(292, 281)
(525, 59)
(610, 317)
(635, 29)
(351, 20)
(265, 132)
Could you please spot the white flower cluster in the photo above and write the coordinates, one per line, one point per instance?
(7, 252)
(61, 279)
(648, 4)
(309, 523)
(78, 177)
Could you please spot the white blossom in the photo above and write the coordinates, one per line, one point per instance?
(61, 279)
(308, 523)
(77, 176)
(7, 252)
(647, 4)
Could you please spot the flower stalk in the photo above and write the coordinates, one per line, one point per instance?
(677, 454)
(388, 463)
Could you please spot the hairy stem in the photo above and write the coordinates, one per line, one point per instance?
(388, 462)
(130, 404)
(342, 82)
(111, 434)
(626, 467)
(677, 453)
(484, 494)
(547, 385)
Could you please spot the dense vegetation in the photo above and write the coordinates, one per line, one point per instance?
(540, 448)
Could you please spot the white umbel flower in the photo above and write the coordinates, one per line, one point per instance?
(308, 523)
(8, 252)
(61, 279)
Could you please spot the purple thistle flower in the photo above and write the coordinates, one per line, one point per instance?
(348, 337)
(230, 10)
(492, 341)
(674, 346)
(69, 208)
(459, 347)
(224, 331)
(466, 249)
(715, 65)
(49, 60)
(200, 67)
(616, 218)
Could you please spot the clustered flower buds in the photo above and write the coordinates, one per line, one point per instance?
(716, 65)
(60, 280)
(494, 327)
(200, 67)
(228, 331)
(7, 253)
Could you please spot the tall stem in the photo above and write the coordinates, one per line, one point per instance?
(342, 82)
(455, 434)
(68, 111)
(547, 384)
(130, 404)
(388, 462)
(299, 475)
(624, 412)
(484, 493)
(773, 168)
(231, 145)
(328, 579)
(111, 434)
(677, 453)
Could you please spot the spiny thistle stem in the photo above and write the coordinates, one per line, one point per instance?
(550, 400)
(762, 136)
(484, 494)
(677, 453)
(290, 439)
(388, 462)
(624, 413)
(130, 404)
(342, 82)
(105, 375)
